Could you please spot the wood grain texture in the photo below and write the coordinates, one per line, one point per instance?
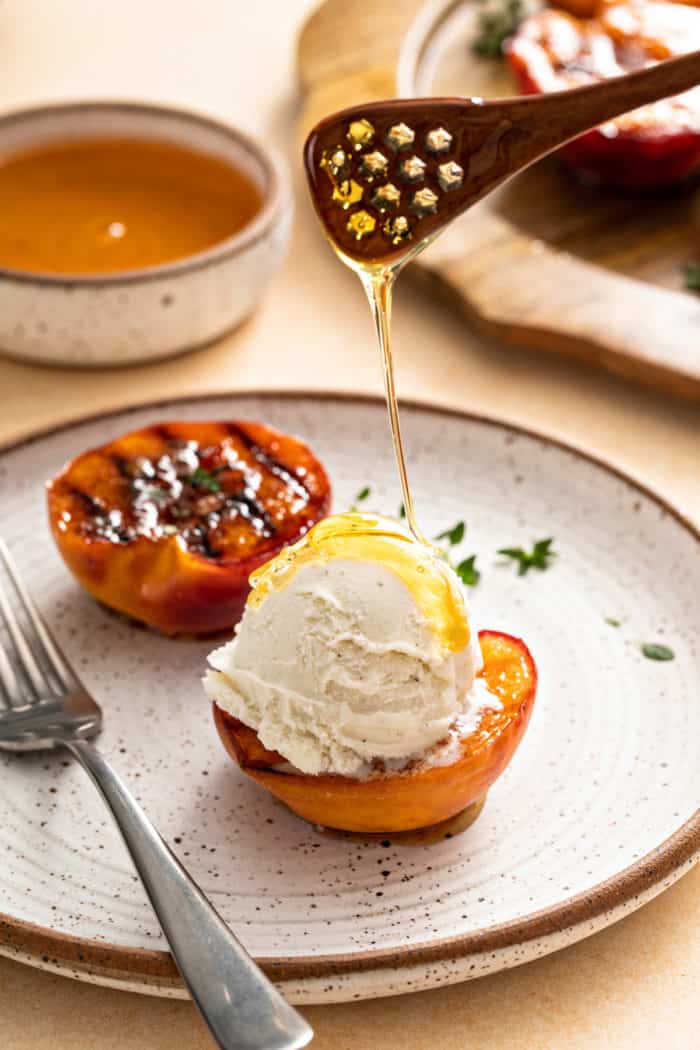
(544, 262)
(348, 52)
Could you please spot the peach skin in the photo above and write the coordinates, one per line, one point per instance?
(165, 524)
(424, 793)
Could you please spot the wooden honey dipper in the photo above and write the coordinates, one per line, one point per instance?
(386, 177)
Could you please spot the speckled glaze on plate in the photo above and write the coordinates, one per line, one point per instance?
(596, 815)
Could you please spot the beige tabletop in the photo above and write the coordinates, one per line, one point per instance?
(634, 985)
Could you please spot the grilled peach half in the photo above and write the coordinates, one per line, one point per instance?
(655, 145)
(165, 524)
(425, 793)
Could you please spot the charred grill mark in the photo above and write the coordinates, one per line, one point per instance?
(93, 506)
(234, 430)
(103, 522)
(202, 539)
(268, 461)
(281, 472)
(163, 432)
(205, 491)
(252, 511)
(209, 551)
(123, 465)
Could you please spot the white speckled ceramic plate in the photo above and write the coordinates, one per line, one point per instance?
(597, 813)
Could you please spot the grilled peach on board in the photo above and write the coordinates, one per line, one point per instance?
(655, 145)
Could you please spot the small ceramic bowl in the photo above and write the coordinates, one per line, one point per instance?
(142, 315)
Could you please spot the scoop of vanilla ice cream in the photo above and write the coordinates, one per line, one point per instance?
(340, 665)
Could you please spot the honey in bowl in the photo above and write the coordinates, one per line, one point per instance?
(106, 205)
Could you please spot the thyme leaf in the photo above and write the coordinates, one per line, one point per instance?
(454, 535)
(538, 558)
(206, 479)
(692, 276)
(496, 21)
(656, 651)
(468, 572)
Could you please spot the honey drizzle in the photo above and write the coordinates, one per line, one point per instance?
(346, 174)
(378, 286)
(371, 538)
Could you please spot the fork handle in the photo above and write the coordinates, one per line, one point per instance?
(241, 1006)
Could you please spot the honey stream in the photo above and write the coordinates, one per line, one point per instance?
(337, 192)
(379, 286)
(378, 283)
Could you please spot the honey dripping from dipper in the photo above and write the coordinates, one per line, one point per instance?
(387, 177)
(377, 186)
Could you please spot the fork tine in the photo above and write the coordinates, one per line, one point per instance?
(9, 685)
(42, 663)
(18, 652)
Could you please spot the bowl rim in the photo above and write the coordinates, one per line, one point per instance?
(275, 197)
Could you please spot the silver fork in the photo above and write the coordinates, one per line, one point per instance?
(48, 707)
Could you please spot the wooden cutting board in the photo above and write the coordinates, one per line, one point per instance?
(544, 262)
